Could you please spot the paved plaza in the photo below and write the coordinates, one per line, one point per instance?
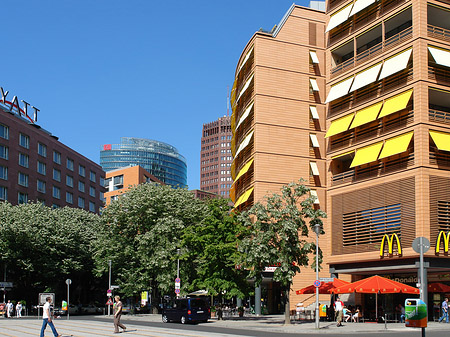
(151, 326)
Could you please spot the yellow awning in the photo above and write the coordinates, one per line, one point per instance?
(244, 197)
(339, 125)
(244, 170)
(233, 169)
(441, 139)
(367, 154)
(342, 154)
(396, 145)
(233, 193)
(233, 92)
(233, 144)
(366, 115)
(396, 103)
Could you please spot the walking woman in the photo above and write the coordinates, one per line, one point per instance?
(117, 313)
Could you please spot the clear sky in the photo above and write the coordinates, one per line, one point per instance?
(103, 69)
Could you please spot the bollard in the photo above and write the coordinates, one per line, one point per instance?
(385, 321)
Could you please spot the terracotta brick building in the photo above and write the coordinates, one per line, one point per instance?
(35, 166)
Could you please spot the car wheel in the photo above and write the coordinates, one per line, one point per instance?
(165, 319)
(183, 320)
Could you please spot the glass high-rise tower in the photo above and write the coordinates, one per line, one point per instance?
(158, 158)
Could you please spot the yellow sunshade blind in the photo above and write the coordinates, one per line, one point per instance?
(244, 115)
(396, 103)
(244, 144)
(342, 154)
(339, 125)
(441, 139)
(233, 193)
(396, 145)
(244, 197)
(244, 170)
(366, 115)
(245, 87)
(367, 154)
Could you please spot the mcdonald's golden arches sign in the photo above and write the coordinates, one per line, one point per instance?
(443, 237)
(390, 244)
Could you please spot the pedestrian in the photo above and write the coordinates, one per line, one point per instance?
(444, 311)
(9, 309)
(47, 318)
(338, 308)
(117, 313)
(19, 309)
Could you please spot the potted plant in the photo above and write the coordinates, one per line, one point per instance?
(241, 311)
(213, 311)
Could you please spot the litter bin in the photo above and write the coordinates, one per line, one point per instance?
(416, 315)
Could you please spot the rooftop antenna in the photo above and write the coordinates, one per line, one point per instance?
(228, 100)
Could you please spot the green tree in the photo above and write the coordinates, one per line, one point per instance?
(142, 232)
(277, 235)
(41, 247)
(211, 247)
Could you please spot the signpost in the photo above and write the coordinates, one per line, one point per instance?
(421, 246)
(177, 286)
(68, 282)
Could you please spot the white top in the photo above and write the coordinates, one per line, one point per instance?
(338, 305)
(46, 310)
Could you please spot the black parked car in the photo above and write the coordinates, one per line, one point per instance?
(186, 310)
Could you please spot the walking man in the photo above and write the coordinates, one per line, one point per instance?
(338, 308)
(47, 318)
(19, 309)
(444, 311)
(9, 309)
(117, 313)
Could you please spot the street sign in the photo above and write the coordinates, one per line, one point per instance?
(326, 279)
(114, 287)
(317, 283)
(68, 281)
(42, 299)
(177, 291)
(6, 284)
(110, 302)
(177, 280)
(109, 292)
(421, 241)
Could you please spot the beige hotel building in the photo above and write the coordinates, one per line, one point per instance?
(357, 102)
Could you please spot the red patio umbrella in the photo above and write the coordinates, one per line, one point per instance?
(438, 287)
(324, 288)
(374, 285)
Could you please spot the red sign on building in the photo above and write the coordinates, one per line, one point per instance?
(107, 147)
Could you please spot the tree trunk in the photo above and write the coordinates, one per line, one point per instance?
(287, 316)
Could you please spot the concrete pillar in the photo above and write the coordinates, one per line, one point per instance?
(258, 300)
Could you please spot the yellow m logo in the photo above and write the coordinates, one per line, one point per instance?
(446, 239)
(390, 243)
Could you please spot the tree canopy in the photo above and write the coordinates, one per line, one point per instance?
(276, 234)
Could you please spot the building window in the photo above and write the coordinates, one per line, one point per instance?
(70, 164)
(41, 167)
(41, 186)
(24, 141)
(56, 192)
(3, 193)
(92, 176)
(23, 179)
(102, 196)
(23, 160)
(92, 191)
(81, 186)
(57, 175)
(107, 182)
(4, 152)
(69, 181)
(69, 197)
(57, 157)
(3, 172)
(4, 131)
(42, 150)
(118, 182)
(22, 198)
(80, 202)
(81, 170)
(55, 206)
(91, 206)
(102, 181)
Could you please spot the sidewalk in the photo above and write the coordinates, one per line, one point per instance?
(275, 323)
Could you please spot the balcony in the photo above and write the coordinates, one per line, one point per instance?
(439, 158)
(377, 169)
(362, 19)
(438, 23)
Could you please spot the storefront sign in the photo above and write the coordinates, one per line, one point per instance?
(390, 243)
(444, 238)
(13, 106)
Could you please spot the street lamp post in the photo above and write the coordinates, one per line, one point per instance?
(178, 266)
(317, 231)
(109, 285)
(68, 282)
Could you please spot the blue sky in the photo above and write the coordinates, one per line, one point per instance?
(103, 69)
